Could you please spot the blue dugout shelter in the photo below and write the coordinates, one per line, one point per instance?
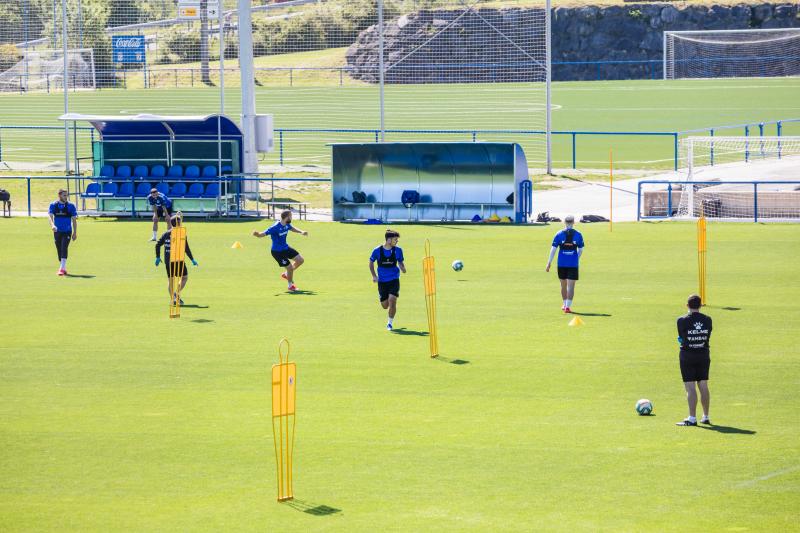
(186, 157)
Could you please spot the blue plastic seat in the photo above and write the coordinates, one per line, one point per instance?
(163, 188)
(178, 190)
(125, 189)
(175, 171)
(209, 171)
(227, 169)
(192, 172)
(212, 191)
(195, 190)
(109, 188)
(92, 190)
(107, 171)
(143, 189)
(140, 171)
(158, 171)
(123, 171)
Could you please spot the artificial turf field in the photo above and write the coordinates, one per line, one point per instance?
(114, 417)
(615, 106)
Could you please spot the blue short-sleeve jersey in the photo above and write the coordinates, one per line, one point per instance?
(278, 232)
(568, 254)
(160, 200)
(62, 215)
(391, 271)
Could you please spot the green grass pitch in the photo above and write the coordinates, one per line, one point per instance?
(115, 418)
(642, 105)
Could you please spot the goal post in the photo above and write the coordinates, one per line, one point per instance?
(731, 53)
(43, 70)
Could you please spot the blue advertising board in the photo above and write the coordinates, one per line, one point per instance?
(128, 48)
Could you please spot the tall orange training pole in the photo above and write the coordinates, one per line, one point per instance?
(610, 190)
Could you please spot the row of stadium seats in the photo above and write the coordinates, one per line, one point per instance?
(126, 189)
(160, 171)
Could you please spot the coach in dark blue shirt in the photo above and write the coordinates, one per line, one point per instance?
(64, 223)
(162, 206)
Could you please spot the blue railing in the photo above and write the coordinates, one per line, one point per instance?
(670, 187)
(374, 134)
(229, 188)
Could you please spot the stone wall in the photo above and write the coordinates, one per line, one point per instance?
(630, 32)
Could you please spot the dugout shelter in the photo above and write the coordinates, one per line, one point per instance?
(455, 181)
(188, 158)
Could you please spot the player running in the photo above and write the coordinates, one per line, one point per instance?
(390, 263)
(64, 223)
(162, 206)
(180, 268)
(694, 333)
(285, 255)
(569, 243)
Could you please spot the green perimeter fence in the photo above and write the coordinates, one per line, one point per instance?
(304, 146)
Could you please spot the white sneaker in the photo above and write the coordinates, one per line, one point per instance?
(388, 327)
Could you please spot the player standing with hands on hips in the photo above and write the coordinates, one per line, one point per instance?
(569, 245)
(64, 223)
(285, 255)
(694, 333)
(389, 257)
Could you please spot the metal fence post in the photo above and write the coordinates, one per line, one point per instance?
(780, 128)
(746, 144)
(675, 149)
(29, 195)
(574, 152)
(669, 200)
(639, 202)
(133, 199)
(755, 202)
(712, 147)
(280, 146)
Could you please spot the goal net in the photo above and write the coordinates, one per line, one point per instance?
(43, 70)
(732, 53)
(740, 178)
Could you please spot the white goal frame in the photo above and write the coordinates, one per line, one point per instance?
(668, 49)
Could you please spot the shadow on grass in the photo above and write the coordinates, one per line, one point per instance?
(193, 306)
(311, 508)
(404, 331)
(202, 321)
(297, 293)
(727, 430)
(590, 314)
(731, 308)
(81, 276)
(444, 359)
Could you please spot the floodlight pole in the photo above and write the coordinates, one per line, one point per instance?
(221, 91)
(66, 82)
(248, 87)
(381, 68)
(549, 76)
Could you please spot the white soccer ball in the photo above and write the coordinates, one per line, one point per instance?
(458, 265)
(644, 407)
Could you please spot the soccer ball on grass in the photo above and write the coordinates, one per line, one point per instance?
(644, 407)
(458, 265)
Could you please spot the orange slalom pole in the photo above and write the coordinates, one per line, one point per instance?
(610, 190)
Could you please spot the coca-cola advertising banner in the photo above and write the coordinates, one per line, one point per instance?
(128, 48)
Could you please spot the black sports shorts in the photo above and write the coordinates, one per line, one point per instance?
(385, 288)
(180, 269)
(568, 273)
(694, 367)
(284, 257)
(163, 209)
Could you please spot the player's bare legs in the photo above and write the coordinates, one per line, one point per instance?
(390, 304)
(691, 397)
(570, 289)
(563, 289)
(705, 397)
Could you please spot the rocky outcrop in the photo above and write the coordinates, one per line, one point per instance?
(472, 49)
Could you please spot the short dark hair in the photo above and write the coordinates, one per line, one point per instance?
(391, 234)
(694, 301)
(65, 191)
(153, 190)
(286, 213)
